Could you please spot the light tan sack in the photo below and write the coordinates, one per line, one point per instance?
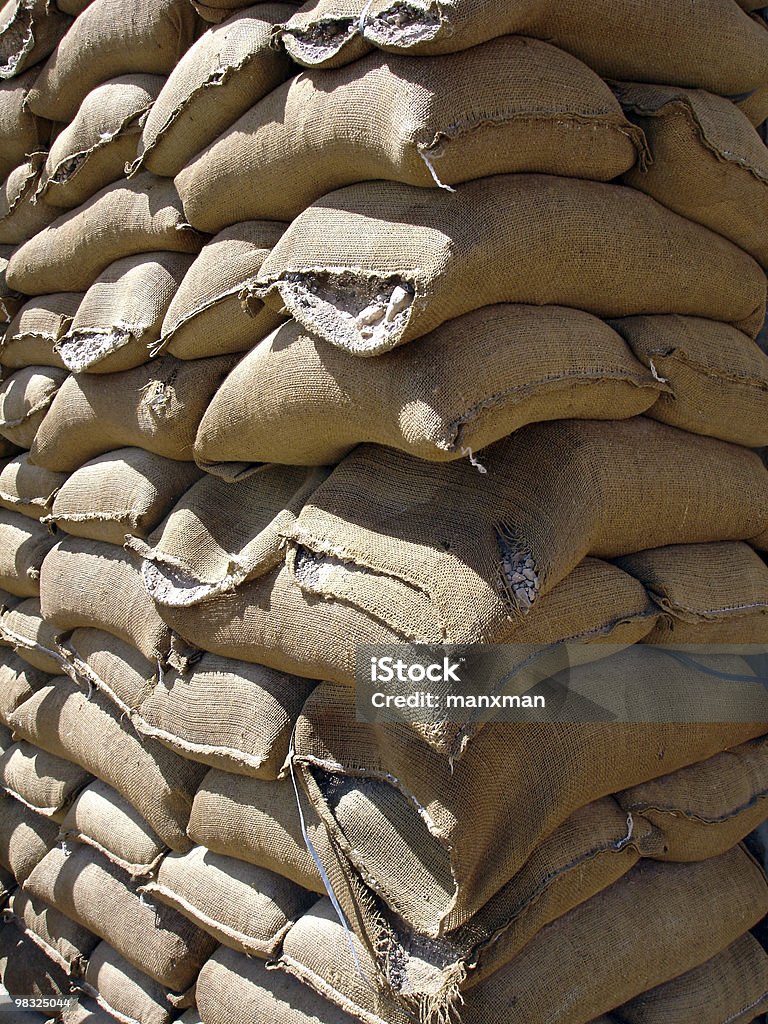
(27, 488)
(25, 837)
(101, 45)
(43, 782)
(224, 73)
(18, 681)
(121, 992)
(34, 639)
(376, 265)
(121, 314)
(115, 668)
(10, 300)
(20, 130)
(294, 399)
(510, 105)
(28, 973)
(93, 149)
(29, 30)
(206, 316)
(24, 543)
(20, 219)
(25, 398)
(63, 941)
(123, 219)
(36, 328)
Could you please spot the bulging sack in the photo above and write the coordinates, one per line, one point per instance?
(33, 639)
(375, 265)
(36, 328)
(25, 398)
(511, 105)
(25, 836)
(708, 162)
(96, 659)
(20, 218)
(294, 399)
(17, 682)
(63, 941)
(24, 544)
(27, 488)
(29, 30)
(41, 781)
(122, 312)
(10, 300)
(119, 991)
(93, 149)
(123, 219)
(102, 45)
(21, 131)
(224, 73)
(206, 316)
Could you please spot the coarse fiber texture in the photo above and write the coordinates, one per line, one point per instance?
(10, 300)
(241, 906)
(20, 219)
(89, 890)
(65, 942)
(125, 491)
(27, 488)
(18, 681)
(25, 837)
(713, 46)
(206, 316)
(708, 162)
(34, 639)
(27, 972)
(375, 265)
(24, 543)
(123, 219)
(294, 399)
(106, 41)
(113, 666)
(45, 783)
(121, 314)
(220, 76)
(36, 328)
(92, 151)
(25, 397)
(29, 30)
(511, 105)
(226, 714)
(120, 992)
(20, 130)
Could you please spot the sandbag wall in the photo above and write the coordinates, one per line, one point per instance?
(377, 323)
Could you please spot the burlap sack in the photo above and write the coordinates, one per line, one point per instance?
(511, 105)
(255, 821)
(241, 906)
(206, 317)
(202, 550)
(160, 785)
(714, 47)
(157, 407)
(89, 890)
(34, 639)
(36, 328)
(125, 491)
(754, 106)
(29, 30)
(471, 548)
(18, 681)
(27, 972)
(709, 164)
(73, 7)
(121, 314)
(294, 399)
(24, 543)
(732, 986)
(717, 378)
(121, 992)
(93, 149)
(20, 219)
(25, 397)
(25, 838)
(63, 941)
(44, 783)
(104, 820)
(226, 714)
(102, 45)
(115, 668)
(224, 73)
(92, 1010)
(379, 264)
(10, 300)
(27, 488)
(123, 219)
(7, 884)
(20, 130)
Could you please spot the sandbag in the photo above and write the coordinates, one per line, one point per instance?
(29, 30)
(115, 668)
(379, 264)
(20, 219)
(25, 397)
(241, 906)
(511, 105)
(10, 300)
(73, 7)
(206, 316)
(27, 972)
(43, 782)
(36, 328)
(34, 639)
(123, 219)
(122, 312)
(224, 73)
(102, 45)
(709, 164)
(92, 151)
(124, 491)
(157, 407)
(294, 399)
(226, 714)
(122, 992)
(715, 47)
(754, 106)
(24, 543)
(27, 488)
(63, 941)
(25, 837)
(717, 378)
(20, 130)
(89, 890)
(18, 681)
(104, 820)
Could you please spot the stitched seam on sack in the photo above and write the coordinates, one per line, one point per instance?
(235, 754)
(716, 373)
(325, 989)
(164, 340)
(32, 411)
(642, 806)
(16, 59)
(745, 1009)
(134, 870)
(668, 604)
(46, 812)
(94, 994)
(70, 969)
(20, 194)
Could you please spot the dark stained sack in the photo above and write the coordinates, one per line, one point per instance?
(101, 45)
(64, 942)
(25, 397)
(511, 105)
(93, 149)
(21, 131)
(220, 76)
(295, 399)
(376, 265)
(34, 639)
(121, 314)
(24, 543)
(43, 782)
(29, 30)
(115, 668)
(36, 328)
(206, 316)
(157, 407)
(27, 972)
(708, 162)
(25, 837)
(20, 218)
(123, 219)
(27, 488)
(120, 992)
